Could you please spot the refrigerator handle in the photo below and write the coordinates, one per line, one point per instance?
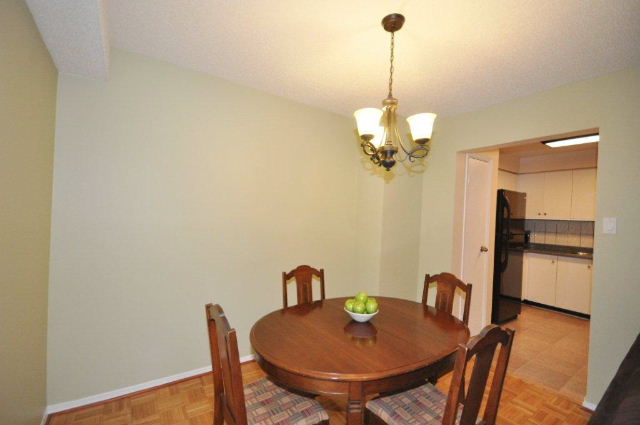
(506, 235)
(508, 221)
(505, 262)
(505, 254)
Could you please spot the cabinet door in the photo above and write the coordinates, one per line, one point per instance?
(533, 186)
(583, 198)
(573, 284)
(557, 195)
(541, 278)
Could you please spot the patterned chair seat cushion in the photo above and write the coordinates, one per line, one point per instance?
(268, 404)
(419, 406)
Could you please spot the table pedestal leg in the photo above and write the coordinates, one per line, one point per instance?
(355, 404)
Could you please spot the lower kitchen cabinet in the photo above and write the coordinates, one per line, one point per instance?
(573, 284)
(557, 281)
(541, 278)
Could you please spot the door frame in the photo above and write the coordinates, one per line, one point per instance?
(489, 227)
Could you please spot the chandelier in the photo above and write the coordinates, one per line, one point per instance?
(379, 135)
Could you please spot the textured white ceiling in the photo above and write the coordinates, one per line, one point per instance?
(76, 35)
(451, 56)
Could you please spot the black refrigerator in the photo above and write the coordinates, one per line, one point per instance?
(507, 264)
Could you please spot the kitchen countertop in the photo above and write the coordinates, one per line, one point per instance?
(562, 250)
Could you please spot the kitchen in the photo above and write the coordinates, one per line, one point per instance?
(543, 257)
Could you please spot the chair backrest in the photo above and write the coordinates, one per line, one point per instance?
(482, 347)
(303, 276)
(229, 403)
(446, 288)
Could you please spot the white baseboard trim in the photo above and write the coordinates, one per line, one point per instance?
(589, 405)
(59, 407)
(247, 358)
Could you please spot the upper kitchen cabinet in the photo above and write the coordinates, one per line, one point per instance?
(548, 194)
(560, 195)
(557, 195)
(533, 186)
(583, 198)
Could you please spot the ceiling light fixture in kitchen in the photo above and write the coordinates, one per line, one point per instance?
(568, 141)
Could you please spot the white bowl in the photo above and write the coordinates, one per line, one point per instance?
(361, 317)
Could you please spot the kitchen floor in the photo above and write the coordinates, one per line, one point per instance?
(551, 349)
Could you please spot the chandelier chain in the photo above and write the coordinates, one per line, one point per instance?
(391, 65)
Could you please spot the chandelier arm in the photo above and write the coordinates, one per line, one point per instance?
(368, 148)
(401, 143)
(375, 158)
(418, 152)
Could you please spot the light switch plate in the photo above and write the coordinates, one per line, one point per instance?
(609, 225)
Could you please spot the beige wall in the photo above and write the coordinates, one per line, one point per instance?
(27, 117)
(559, 161)
(507, 180)
(510, 163)
(369, 213)
(173, 189)
(610, 102)
(401, 211)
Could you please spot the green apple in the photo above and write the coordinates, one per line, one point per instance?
(371, 306)
(348, 304)
(362, 297)
(359, 307)
(372, 299)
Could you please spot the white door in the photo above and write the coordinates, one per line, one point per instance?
(475, 254)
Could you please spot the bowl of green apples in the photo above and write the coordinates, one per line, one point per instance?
(362, 307)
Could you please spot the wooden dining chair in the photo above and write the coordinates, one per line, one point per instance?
(446, 284)
(426, 405)
(260, 402)
(303, 276)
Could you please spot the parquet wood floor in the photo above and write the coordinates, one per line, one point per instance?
(551, 349)
(546, 383)
(190, 403)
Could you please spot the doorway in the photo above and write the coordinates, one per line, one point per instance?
(551, 346)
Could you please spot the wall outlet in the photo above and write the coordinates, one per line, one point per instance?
(609, 225)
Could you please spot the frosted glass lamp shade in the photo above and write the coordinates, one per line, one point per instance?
(378, 136)
(368, 121)
(421, 127)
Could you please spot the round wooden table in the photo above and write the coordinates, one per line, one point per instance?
(317, 348)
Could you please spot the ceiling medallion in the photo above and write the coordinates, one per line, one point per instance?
(379, 135)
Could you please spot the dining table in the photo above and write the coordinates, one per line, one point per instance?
(316, 348)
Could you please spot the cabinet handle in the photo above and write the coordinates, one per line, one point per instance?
(588, 266)
(545, 213)
(553, 261)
